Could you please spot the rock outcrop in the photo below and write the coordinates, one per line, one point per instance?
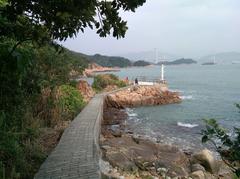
(142, 96)
(128, 155)
(86, 90)
(132, 156)
(206, 159)
(93, 68)
(198, 175)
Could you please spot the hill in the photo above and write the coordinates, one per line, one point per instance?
(179, 62)
(141, 63)
(110, 61)
(102, 60)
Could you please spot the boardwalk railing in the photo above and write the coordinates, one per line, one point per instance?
(151, 79)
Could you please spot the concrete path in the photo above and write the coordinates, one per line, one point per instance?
(77, 154)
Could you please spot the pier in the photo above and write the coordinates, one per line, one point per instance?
(150, 80)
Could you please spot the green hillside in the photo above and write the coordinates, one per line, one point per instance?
(103, 60)
(110, 61)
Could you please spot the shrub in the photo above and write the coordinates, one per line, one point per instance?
(25, 107)
(70, 101)
(228, 146)
(102, 81)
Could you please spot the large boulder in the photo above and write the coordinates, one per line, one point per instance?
(174, 160)
(206, 159)
(196, 167)
(120, 160)
(129, 153)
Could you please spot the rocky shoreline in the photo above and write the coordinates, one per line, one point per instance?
(131, 156)
(95, 68)
(142, 96)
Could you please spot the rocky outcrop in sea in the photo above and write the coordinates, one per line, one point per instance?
(131, 156)
(142, 96)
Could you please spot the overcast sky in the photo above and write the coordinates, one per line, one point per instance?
(189, 28)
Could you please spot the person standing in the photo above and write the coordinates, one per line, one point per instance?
(136, 81)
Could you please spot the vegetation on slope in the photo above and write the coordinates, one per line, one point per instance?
(104, 80)
(108, 61)
(33, 96)
(103, 60)
(35, 90)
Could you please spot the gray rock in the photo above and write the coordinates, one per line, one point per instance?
(196, 167)
(206, 159)
(197, 175)
(117, 133)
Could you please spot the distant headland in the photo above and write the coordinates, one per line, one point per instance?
(180, 61)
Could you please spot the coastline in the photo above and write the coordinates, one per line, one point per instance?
(135, 156)
(95, 68)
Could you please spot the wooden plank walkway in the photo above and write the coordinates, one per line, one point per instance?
(77, 154)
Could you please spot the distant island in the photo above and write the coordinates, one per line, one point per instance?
(180, 61)
(141, 63)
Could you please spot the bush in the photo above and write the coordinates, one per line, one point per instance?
(70, 101)
(30, 79)
(102, 81)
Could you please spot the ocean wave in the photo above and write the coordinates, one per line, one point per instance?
(188, 125)
(186, 97)
(134, 119)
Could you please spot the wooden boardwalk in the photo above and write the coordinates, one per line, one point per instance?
(77, 154)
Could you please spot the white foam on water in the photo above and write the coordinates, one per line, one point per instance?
(132, 114)
(188, 125)
(128, 110)
(186, 97)
(177, 90)
(134, 119)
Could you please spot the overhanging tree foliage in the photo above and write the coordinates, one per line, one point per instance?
(64, 18)
(34, 79)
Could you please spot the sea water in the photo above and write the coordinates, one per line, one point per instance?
(206, 92)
